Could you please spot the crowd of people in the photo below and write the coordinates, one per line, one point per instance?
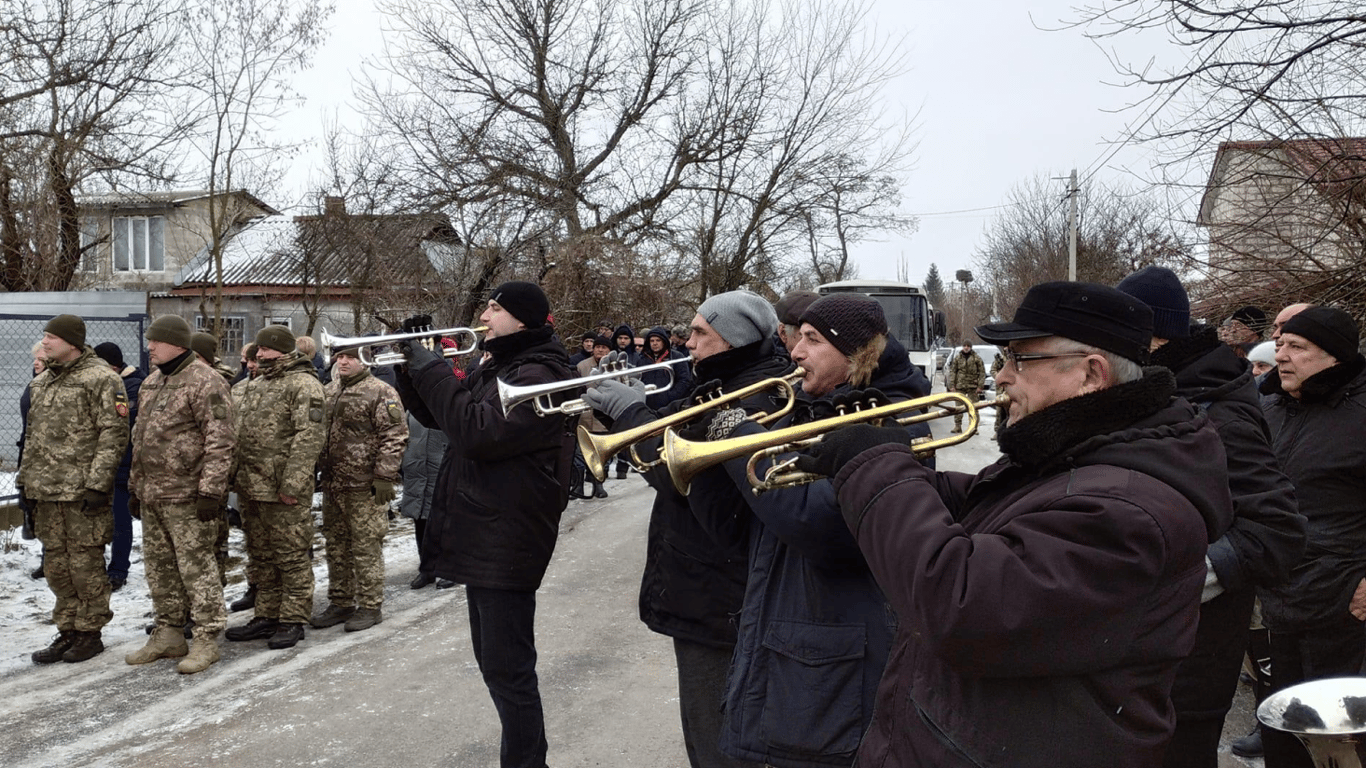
(1172, 498)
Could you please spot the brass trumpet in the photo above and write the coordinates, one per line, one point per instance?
(598, 449)
(366, 353)
(686, 459)
(511, 395)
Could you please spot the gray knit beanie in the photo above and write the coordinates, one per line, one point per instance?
(740, 317)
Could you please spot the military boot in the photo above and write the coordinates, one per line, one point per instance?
(287, 636)
(87, 646)
(364, 618)
(165, 643)
(203, 652)
(255, 629)
(334, 615)
(60, 645)
(244, 602)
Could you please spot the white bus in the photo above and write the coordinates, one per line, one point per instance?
(910, 318)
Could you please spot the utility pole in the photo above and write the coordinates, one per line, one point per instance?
(1072, 191)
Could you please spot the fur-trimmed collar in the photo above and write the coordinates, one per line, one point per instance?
(1322, 386)
(1039, 438)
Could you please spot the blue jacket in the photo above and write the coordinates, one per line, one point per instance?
(682, 375)
(815, 631)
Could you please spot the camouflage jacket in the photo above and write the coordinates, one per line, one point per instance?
(280, 433)
(183, 439)
(77, 430)
(367, 430)
(966, 372)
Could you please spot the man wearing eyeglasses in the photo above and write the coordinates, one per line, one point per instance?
(1046, 601)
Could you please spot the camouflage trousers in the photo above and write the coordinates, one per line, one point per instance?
(970, 394)
(178, 558)
(279, 539)
(355, 527)
(73, 560)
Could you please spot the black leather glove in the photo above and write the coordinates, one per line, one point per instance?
(706, 391)
(384, 491)
(417, 323)
(208, 509)
(859, 400)
(134, 507)
(828, 457)
(417, 355)
(95, 500)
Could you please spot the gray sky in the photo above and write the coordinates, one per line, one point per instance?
(999, 101)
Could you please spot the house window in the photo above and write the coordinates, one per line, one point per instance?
(285, 321)
(139, 243)
(233, 334)
(90, 238)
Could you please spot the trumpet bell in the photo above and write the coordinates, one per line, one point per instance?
(1328, 716)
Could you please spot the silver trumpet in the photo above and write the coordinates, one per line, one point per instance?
(468, 343)
(511, 395)
(1328, 716)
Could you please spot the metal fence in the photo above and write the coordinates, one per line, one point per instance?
(18, 334)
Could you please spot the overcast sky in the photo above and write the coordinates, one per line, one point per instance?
(999, 100)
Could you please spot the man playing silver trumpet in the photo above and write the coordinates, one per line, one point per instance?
(1044, 603)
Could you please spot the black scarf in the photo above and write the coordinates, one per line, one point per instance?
(1176, 354)
(726, 365)
(171, 366)
(1041, 437)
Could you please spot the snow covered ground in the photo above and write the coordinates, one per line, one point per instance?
(26, 603)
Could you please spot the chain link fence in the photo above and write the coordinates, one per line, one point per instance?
(18, 334)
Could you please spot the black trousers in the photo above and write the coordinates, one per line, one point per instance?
(502, 630)
(1336, 650)
(1207, 680)
(702, 671)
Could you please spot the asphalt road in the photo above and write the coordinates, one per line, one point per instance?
(407, 691)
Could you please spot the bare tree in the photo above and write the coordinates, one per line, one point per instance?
(244, 53)
(1118, 232)
(82, 97)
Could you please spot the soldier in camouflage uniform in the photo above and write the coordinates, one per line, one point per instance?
(77, 432)
(182, 452)
(967, 375)
(280, 435)
(367, 430)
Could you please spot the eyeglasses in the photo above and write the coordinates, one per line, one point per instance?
(1019, 360)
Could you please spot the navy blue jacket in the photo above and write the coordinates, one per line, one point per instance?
(682, 375)
(815, 630)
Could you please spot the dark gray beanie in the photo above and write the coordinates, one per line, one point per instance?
(68, 328)
(847, 320)
(740, 317)
(1161, 290)
(170, 329)
(1333, 330)
(276, 337)
(205, 345)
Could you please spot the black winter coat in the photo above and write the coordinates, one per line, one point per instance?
(1319, 441)
(504, 481)
(694, 577)
(1045, 602)
(1266, 538)
(815, 630)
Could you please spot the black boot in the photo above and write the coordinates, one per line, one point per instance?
(286, 636)
(419, 581)
(246, 601)
(255, 629)
(60, 645)
(38, 572)
(87, 646)
(1249, 745)
(576, 483)
(598, 491)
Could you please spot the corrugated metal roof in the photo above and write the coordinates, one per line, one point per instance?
(326, 250)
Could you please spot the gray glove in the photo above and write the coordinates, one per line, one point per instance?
(611, 361)
(611, 398)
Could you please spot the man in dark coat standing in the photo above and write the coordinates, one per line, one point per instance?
(122, 546)
(1267, 536)
(694, 580)
(1044, 603)
(500, 492)
(1316, 406)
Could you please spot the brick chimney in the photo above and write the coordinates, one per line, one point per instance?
(334, 205)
